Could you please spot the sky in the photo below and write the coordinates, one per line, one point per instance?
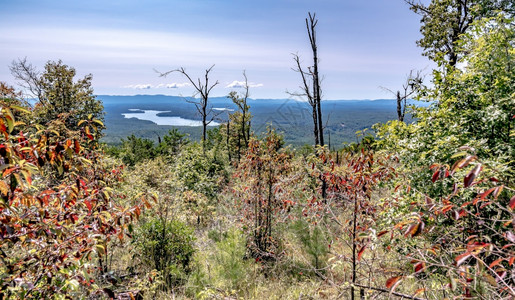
(363, 45)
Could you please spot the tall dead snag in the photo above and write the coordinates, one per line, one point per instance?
(203, 89)
(311, 90)
(409, 89)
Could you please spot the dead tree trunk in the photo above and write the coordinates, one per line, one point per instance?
(311, 82)
(311, 24)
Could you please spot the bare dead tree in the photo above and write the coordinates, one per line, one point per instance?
(306, 92)
(409, 89)
(311, 26)
(311, 81)
(28, 77)
(203, 89)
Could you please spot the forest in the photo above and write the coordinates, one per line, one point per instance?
(415, 210)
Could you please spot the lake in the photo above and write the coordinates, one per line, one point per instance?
(153, 116)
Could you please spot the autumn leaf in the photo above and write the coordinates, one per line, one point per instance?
(469, 179)
(435, 176)
(392, 282)
(361, 251)
(496, 262)
(88, 205)
(462, 258)
(76, 146)
(512, 202)
(421, 266)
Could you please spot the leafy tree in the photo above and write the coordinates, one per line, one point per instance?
(171, 143)
(458, 160)
(443, 21)
(261, 193)
(58, 95)
(135, 150)
(166, 246)
(238, 135)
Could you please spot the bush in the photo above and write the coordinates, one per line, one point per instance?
(314, 242)
(166, 246)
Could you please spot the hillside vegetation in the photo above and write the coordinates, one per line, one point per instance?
(422, 210)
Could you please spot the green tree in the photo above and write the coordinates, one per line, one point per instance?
(238, 135)
(458, 162)
(58, 95)
(443, 21)
(135, 150)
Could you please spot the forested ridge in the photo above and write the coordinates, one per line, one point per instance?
(418, 210)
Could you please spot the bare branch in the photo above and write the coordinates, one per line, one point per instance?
(28, 76)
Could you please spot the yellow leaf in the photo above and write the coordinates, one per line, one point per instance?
(4, 189)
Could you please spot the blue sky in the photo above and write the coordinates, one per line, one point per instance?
(363, 45)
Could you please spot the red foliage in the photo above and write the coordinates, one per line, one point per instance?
(57, 210)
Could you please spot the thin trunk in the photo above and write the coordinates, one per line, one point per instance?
(315, 126)
(227, 140)
(354, 228)
(320, 124)
(204, 121)
(400, 116)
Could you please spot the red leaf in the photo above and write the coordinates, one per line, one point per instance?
(469, 179)
(512, 202)
(483, 195)
(382, 233)
(88, 205)
(76, 146)
(435, 176)
(420, 267)
(412, 230)
(462, 258)
(512, 259)
(390, 283)
(360, 253)
(496, 262)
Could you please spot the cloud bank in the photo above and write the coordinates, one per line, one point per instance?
(241, 84)
(174, 85)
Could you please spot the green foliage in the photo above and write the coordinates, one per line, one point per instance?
(166, 246)
(135, 150)
(201, 170)
(444, 21)
(457, 160)
(59, 97)
(472, 107)
(171, 143)
(314, 242)
(237, 129)
(230, 263)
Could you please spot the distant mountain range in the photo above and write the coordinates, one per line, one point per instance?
(125, 116)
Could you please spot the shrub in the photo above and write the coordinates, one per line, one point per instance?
(166, 246)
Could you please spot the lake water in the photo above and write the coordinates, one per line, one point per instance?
(153, 116)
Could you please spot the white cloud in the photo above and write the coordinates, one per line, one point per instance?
(173, 85)
(241, 84)
(161, 85)
(139, 86)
